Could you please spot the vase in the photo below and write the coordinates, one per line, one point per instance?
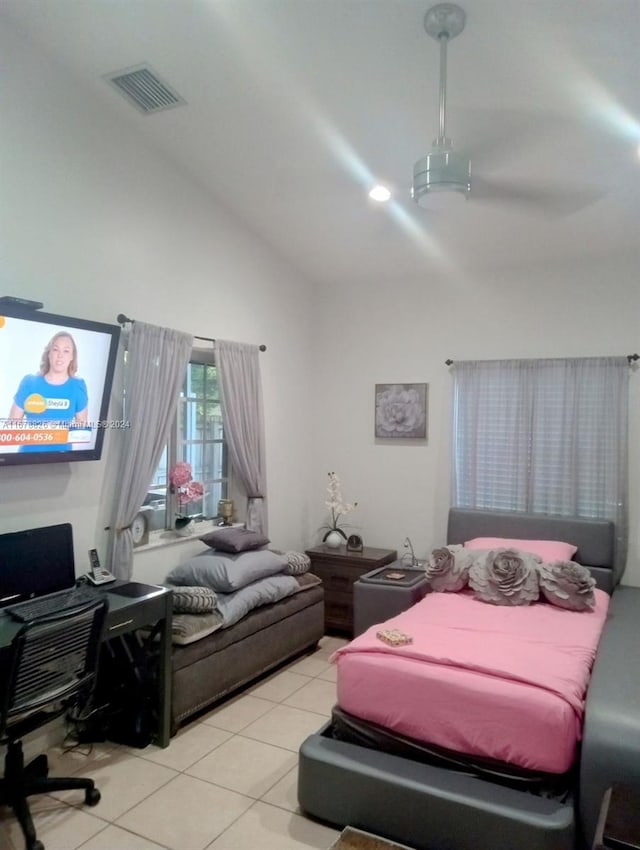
(333, 540)
(183, 529)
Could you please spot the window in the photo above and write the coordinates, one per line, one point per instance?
(197, 437)
(543, 436)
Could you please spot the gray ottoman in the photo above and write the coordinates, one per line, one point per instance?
(385, 592)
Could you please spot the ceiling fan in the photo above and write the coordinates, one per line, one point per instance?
(445, 170)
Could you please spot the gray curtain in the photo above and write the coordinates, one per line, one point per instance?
(157, 359)
(243, 422)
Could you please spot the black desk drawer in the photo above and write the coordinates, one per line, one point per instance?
(129, 616)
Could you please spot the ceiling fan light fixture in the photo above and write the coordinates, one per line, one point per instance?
(380, 193)
(440, 171)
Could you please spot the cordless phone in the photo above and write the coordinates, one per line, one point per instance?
(98, 575)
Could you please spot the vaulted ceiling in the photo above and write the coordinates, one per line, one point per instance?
(294, 108)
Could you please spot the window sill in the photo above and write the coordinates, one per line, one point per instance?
(160, 539)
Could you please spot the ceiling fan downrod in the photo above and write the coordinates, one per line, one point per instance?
(442, 141)
(442, 170)
(444, 22)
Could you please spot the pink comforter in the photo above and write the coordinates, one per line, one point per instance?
(503, 649)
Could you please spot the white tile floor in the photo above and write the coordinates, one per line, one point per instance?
(226, 782)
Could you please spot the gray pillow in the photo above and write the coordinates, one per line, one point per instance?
(233, 606)
(307, 580)
(567, 585)
(505, 577)
(298, 563)
(188, 628)
(224, 572)
(193, 600)
(234, 539)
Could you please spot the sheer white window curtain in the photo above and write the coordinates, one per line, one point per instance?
(543, 436)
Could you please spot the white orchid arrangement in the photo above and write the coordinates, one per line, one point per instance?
(336, 505)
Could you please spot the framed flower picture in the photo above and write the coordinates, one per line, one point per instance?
(401, 410)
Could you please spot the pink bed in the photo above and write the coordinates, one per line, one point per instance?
(499, 682)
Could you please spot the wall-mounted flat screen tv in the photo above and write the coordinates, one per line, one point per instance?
(56, 374)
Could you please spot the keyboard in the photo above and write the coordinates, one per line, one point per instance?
(66, 601)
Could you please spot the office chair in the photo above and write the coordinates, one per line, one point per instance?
(50, 665)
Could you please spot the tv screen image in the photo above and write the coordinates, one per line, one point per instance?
(56, 374)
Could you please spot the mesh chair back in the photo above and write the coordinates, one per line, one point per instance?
(53, 658)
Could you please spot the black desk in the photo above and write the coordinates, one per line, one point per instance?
(126, 614)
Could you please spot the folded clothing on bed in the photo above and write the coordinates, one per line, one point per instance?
(501, 682)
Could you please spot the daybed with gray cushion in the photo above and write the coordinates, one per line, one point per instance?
(247, 611)
(434, 806)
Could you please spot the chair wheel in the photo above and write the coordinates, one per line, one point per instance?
(39, 766)
(36, 845)
(92, 797)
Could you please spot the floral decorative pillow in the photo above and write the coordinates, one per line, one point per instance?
(505, 577)
(448, 568)
(567, 585)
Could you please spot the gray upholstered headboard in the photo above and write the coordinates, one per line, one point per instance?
(593, 537)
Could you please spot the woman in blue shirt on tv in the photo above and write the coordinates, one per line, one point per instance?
(54, 397)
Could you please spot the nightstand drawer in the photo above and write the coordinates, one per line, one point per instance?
(335, 576)
(338, 610)
(339, 570)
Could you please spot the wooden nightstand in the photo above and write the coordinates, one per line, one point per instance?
(339, 570)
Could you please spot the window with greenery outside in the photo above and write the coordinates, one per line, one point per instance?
(197, 438)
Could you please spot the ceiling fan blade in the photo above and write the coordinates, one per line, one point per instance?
(493, 138)
(535, 197)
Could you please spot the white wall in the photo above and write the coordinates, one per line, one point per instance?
(404, 332)
(93, 223)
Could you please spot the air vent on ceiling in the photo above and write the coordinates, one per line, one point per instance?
(145, 89)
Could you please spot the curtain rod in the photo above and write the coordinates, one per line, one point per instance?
(630, 357)
(121, 319)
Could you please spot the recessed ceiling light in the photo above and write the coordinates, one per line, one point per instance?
(380, 193)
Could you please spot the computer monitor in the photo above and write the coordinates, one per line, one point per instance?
(35, 562)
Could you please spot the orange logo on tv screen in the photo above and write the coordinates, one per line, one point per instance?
(35, 403)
